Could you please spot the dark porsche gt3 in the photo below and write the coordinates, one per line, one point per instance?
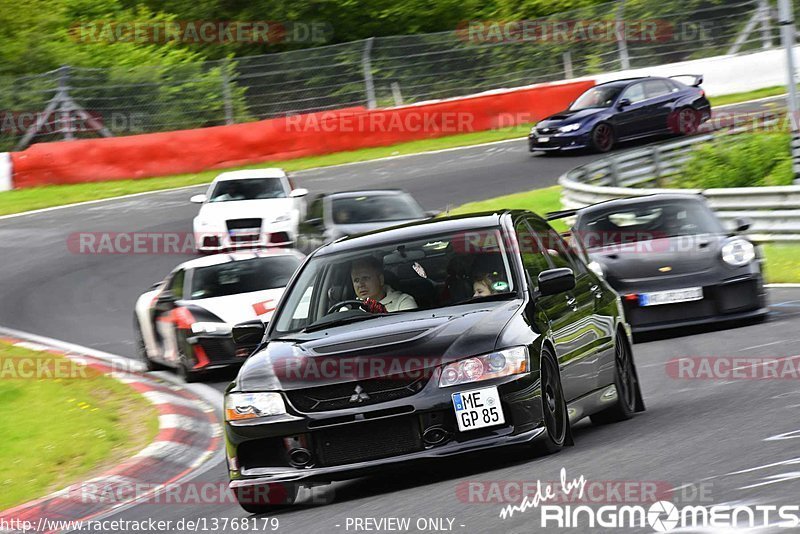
(623, 110)
(336, 392)
(672, 260)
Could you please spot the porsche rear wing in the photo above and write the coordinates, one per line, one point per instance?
(697, 79)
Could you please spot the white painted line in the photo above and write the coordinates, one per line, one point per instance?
(6, 172)
(159, 397)
(31, 346)
(762, 99)
(781, 285)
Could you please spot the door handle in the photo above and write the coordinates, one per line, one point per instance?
(572, 302)
(598, 293)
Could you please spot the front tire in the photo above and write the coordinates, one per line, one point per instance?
(554, 407)
(141, 348)
(185, 366)
(626, 383)
(602, 137)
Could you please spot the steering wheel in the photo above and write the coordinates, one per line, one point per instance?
(343, 303)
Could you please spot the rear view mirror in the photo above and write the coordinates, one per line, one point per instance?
(554, 281)
(741, 224)
(197, 199)
(316, 222)
(625, 102)
(297, 193)
(248, 333)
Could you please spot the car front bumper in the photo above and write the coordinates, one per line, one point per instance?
(568, 141)
(739, 298)
(283, 235)
(216, 351)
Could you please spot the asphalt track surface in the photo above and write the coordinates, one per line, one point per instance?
(734, 441)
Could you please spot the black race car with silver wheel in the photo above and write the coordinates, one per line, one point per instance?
(185, 321)
(672, 260)
(624, 110)
(421, 342)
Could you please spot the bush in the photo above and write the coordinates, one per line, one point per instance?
(745, 160)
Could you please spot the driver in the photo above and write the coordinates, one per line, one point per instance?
(368, 282)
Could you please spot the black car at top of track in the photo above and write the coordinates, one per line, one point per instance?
(672, 260)
(623, 110)
(336, 392)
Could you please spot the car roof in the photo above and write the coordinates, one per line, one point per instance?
(219, 259)
(272, 172)
(364, 192)
(640, 201)
(627, 81)
(420, 230)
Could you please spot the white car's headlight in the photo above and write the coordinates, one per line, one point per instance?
(738, 252)
(211, 328)
(569, 128)
(283, 218)
(596, 268)
(501, 363)
(240, 406)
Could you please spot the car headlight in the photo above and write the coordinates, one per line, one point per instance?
(533, 130)
(738, 252)
(569, 128)
(211, 328)
(283, 218)
(476, 368)
(596, 268)
(240, 406)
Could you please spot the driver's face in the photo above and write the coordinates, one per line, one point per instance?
(367, 283)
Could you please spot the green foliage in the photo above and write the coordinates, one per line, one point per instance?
(755, 159)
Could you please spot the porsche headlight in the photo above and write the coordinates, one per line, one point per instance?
(240, 406)
(569, 127)
(738, 252)
(474, 369)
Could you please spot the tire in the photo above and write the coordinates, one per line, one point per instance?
(602, 137)
(141, 349)
(185, 366)
(626, 383)
(250, 501)
(554, 407)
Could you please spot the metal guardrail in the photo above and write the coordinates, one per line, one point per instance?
(774, 212)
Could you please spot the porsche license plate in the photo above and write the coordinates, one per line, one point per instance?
(671, 297)
(542, 139)
(478, 408)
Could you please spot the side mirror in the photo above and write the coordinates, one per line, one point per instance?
(248, 333)
(299, 192)
(625, 102)
(433, 213)
(742, 224)
(316, 222)
(166, 299)
(554, 281)
(198, 199)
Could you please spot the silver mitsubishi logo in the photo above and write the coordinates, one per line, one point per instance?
(360, 395)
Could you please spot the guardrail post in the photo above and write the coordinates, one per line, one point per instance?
(657, 166)
(568, 73)
(613, 175)
(366, 66)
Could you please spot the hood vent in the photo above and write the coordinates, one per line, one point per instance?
(369, 343)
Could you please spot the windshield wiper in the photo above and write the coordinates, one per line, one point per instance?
(327, 323)
(489, 298)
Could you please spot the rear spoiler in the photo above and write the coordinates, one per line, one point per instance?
(697, 79)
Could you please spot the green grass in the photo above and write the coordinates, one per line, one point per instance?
(782, 265)
(59, 430)
(744, 97)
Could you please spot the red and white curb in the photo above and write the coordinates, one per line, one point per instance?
(189, 440)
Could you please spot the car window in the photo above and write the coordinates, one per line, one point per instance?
(248, 189)
(565, 255)
(656, 88)
(597, 97)
(315, 210)
(243, 276)
(634, 93)
(533, 260)
(176, 284)
(375, 208)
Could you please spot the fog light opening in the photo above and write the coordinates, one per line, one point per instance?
(300, 457)
(435, 435)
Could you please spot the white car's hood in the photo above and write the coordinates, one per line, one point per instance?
(243, 307)
(266, 209)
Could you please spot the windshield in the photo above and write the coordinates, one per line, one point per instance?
(248, 189)
(243, 276)
(644, 223)
(375, 208)
(403, 276)
(597, 97)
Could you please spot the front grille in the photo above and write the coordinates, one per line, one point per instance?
(244, 224)
(372, 440)
(354, 394)
(223, 348)
(546, 130)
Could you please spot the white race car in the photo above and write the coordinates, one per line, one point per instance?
(248, 209)
(185, 321)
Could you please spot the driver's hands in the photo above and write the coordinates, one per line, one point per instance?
(372, 306)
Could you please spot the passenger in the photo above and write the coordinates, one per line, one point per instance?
(368, 282)
(488, 284)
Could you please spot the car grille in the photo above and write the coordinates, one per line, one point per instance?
(341, 396)
(372, 440)
(546, 130)
(244, 224)
(223, 348)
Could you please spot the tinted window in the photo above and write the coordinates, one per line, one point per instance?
(531, 251)
(248, 189)
(243, 276)
(375, 208)
(315, 210)
(655, 88)
(176, 284)
(634, 93)
(620, 225)
(597, 97)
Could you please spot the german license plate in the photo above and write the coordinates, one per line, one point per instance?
(671, 297)
(478, 408)
(542, 139)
